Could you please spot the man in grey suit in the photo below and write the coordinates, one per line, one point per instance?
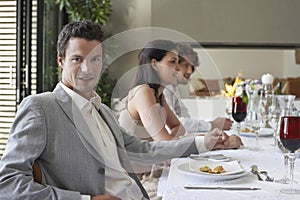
(65, 144)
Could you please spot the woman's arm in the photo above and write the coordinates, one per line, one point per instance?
(173, 122)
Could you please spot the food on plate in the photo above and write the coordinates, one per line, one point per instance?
(217, 170)
(247, 130)
(205, 169)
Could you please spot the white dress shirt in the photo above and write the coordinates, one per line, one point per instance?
(191, 125)
(117, 182)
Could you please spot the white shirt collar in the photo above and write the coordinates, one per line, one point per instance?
(79, 100)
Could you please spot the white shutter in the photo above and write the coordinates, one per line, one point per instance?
(8, 23)
(8, 17)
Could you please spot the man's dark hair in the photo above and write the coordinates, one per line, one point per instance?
(187, 51)
(80, 29)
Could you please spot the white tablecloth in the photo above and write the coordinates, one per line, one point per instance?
(269, 158)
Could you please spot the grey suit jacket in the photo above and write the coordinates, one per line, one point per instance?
(48, 129)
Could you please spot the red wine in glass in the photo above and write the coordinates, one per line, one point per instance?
(290, 138)
(290, 132)
(239, 111)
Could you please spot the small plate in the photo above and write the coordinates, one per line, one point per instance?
(184, 168)
(263, 132)
(232, 167)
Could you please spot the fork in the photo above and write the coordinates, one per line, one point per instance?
(268, 178)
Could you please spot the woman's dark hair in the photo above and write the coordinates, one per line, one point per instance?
(78, 29)
(157, 50)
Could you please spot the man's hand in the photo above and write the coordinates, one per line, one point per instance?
(221, 123)
(105, 197)
(233, 142)
(218, 139)
(214, 138)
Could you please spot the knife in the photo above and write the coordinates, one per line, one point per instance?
(220, 188)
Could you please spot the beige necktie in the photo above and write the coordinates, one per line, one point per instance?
(96, 101)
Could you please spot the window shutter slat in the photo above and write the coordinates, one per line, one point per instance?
(8, 24)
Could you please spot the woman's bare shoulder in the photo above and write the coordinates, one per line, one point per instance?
(144, 93)
(144, 89)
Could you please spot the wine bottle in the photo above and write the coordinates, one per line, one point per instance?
(241, 92)
(278, 89)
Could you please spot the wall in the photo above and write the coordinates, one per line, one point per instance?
(291, 69)
(231, 21)
(252, 63)
(130, 14)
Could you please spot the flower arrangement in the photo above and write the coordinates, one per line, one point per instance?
(240, 86)
(231, 89)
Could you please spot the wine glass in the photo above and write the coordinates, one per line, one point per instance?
(239, 111)
(285, 179)
(264, 104)
(290, 139)
(284, 102)
(252, 105)
(275, 111)
(257, 123)
(228, 107)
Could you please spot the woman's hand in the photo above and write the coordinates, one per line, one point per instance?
(221, 123)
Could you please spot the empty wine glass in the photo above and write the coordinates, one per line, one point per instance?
(252, 105)
(228, 107)
(290, 138)
(274, 110)
(257, 123)
(264, 104)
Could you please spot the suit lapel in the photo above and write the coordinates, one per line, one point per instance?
(110, 121)
(74, 114)
(115, 129)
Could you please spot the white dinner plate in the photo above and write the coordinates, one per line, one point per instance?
(232, 167)
(264, 132)
(185, 168)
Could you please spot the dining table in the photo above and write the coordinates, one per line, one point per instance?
(267, 156)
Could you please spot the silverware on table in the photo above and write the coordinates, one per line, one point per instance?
(268, 178)
(255, 170)
(220, 188)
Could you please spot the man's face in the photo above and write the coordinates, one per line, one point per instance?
(82, 65)
(185, 72)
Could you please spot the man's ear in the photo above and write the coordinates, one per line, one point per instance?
(60, 62)
(154, 64)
